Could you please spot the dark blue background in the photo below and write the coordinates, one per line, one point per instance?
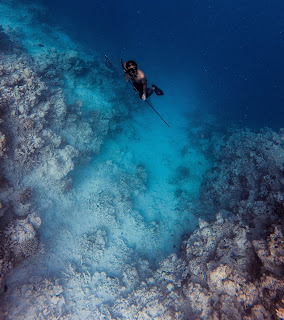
(230, 54)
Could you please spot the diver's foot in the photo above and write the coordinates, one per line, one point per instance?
(158, 91)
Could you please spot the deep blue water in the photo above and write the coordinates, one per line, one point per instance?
(226, 57)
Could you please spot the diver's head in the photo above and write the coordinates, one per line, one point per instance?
(131, 67)
(131, 63)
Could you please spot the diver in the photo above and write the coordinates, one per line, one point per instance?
(139, 80)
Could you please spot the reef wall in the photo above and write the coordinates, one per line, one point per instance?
(33, 109)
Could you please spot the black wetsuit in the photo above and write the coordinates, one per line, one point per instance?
(139, 87)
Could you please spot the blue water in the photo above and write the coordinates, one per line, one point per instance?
(226, 57)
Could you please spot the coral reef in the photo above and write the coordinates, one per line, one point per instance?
(249, 167)
(231, 267)
(35, 120)
(221, 274)
(18, 241)
(46, 293)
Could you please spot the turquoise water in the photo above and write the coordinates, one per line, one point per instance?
(137, 173)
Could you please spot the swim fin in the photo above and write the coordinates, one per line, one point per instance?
(158, 91)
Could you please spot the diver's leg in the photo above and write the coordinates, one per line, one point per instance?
(149, 92)
(140, 92)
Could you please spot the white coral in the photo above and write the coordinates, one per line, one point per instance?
(34, 220)
(22, 231)
(61, 163)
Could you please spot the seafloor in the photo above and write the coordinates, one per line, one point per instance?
(102, 217)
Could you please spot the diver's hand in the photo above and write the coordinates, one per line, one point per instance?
(144, 97)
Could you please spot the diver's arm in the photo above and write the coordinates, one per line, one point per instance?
(126, 77)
